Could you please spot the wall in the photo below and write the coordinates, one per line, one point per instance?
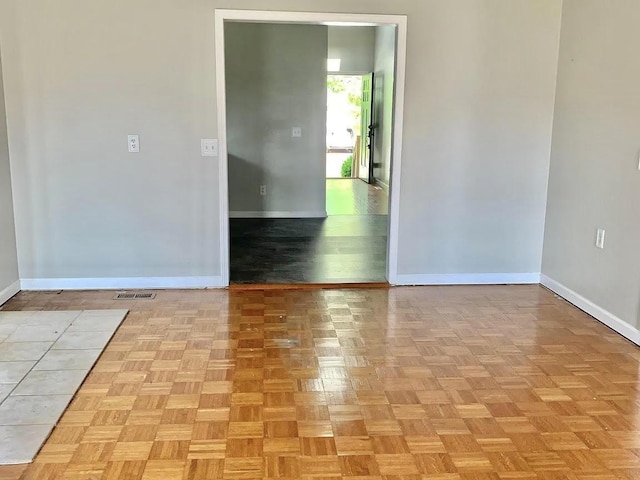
(594, 179)
(354, 46)
(276, 80)
(384, 88)
(8, 254)
(80, 76)
(480, 90)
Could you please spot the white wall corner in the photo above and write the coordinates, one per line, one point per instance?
(599, 313)
(10, 291)
(467, 279)
(40, 284)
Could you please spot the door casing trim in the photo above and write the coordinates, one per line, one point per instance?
(315, 18)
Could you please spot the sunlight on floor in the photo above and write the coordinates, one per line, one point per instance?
(354, 197)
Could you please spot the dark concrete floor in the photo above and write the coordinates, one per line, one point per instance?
(338, 249)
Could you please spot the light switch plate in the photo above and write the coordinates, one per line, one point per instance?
(209, 147)
(600, 235)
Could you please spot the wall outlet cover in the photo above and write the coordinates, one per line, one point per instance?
(209, 147)
(134, 143)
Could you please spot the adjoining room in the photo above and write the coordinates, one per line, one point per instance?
(290, 222)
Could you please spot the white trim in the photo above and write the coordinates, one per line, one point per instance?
(381, 184)
(400, 21)
(10, 291)
(599, 313)
(315, 18)
(277, 214)
(112, 283)
(468, 279)
(223, 171)
(396, 153)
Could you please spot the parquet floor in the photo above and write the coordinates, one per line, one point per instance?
(491, 382)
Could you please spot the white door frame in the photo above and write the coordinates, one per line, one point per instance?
(400, 21)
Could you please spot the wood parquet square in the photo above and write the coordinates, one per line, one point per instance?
(445, 383)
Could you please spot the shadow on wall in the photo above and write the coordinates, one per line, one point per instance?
(245, 178)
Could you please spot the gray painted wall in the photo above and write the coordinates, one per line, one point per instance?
(385, 62)
(594, 180)
(8, 254)
(354, 46)
(276, 80)
(477, 130)
(479, 108)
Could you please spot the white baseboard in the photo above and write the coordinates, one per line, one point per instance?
(599, 313)
(380, 183)
(467, 279)
(9, 292)
(120, 283)
(278, 214)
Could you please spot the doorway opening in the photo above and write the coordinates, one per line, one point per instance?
(344, 118)
(277, 223)
(352, 188)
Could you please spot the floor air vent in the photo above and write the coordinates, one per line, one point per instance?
(133, 296)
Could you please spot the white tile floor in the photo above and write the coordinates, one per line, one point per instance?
(44, 357)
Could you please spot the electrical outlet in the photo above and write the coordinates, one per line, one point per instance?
(296, 132)
(600, 238)
(134, 143)
(209, 147)
(263, 190)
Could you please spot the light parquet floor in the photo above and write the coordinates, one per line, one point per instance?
(491, 382)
